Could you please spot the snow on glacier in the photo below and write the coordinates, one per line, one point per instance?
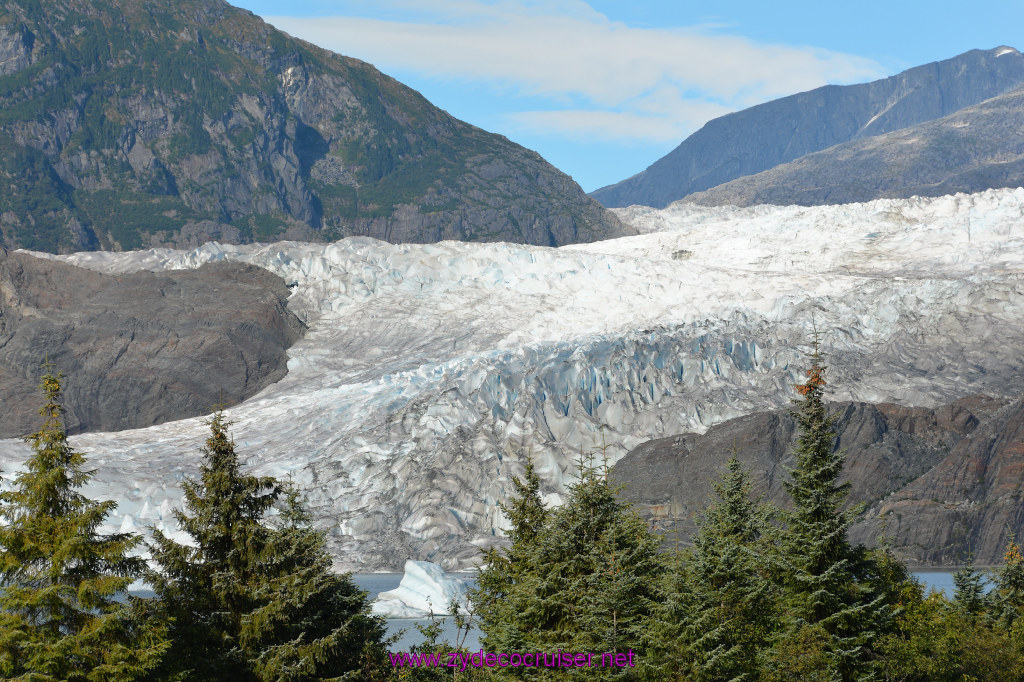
(429, 371)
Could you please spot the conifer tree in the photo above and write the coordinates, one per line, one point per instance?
(591, 581)
(252, 601)
(1008, 595)
(503, 597)
(969, 590)
(59, 619)
(600, 569)
(734, 602)
(311, 621)
(831, 592)
(666, 642)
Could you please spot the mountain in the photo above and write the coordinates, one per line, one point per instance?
(138, 349)
(936, 481)
(784, 130)
(127, 124)
(976, 148)
(428, 372)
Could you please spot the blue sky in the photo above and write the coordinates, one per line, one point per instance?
(604, 88)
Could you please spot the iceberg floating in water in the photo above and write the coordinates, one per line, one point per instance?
(425, 588)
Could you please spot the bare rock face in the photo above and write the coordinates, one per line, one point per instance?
(971, 500)
(137, 349)
(977, 148)
(936, 481)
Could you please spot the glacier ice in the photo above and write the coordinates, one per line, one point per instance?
(425, 589)
(429, 371)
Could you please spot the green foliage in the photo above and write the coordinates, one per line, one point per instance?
(969, 591)
(733, 603)
(434, 645)
(127, 216)
(583, 581)
(503, 597)
(59, 616)
(253, 601)
(1008, 596)
(667, 641)
(935, 642)
(309, 622)
(266, 226)
(831, 595)
(31, 187)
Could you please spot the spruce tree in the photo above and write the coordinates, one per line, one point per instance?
(252, 601)
(734, 602)
(666, 641)
(1008, 595)
(59, 577)
(969, 591)
(831, 594)
(311, 622)
(507, 580)
(589, 584)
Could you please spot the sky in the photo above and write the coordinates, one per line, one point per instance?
(602, 89)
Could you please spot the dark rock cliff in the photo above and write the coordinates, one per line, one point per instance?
(937, 481)
(138, 349)
(127, 124)
(780, 131)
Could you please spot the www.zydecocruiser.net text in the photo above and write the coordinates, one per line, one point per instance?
(482, 659)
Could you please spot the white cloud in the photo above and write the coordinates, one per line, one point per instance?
(599, 70)
(624, 126)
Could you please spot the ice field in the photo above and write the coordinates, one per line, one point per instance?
(429, 371)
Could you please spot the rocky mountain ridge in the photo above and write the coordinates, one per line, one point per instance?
(973, 149)
(128, 124)
(788, 129)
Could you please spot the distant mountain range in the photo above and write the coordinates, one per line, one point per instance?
(135, 123)
(946, 127)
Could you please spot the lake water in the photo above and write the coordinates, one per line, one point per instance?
(375, 583)
(942, 579)
(937, 579)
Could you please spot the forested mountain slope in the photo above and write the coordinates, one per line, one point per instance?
(133, 123)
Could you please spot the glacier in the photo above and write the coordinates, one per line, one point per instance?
(430, 371)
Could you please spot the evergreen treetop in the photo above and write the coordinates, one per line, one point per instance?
(502, 597)
(734, 600)
(584, 580)
(1008, 595)
(969, 590)
(251, 600)
(830, 585)
(60, 576)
